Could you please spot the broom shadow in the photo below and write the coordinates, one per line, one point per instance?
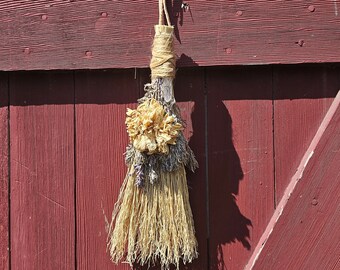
(227, 225)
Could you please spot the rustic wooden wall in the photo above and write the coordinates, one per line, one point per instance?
(59, 34)
(249, 127)
(4, 170)
(101, 102)
(306, 236)
(299, 109)
(42, 172)
(240, 162)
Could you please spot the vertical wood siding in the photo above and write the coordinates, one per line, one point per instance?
(307, 235)
(42, 171)
(241, 186)
(4, 180)
(101, 102)
(302, 98)
(248, 127)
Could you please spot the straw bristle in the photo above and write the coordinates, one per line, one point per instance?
(154, 223)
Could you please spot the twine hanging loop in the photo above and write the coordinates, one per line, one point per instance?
(163, 61)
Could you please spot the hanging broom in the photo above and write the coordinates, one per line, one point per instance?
(152, 219)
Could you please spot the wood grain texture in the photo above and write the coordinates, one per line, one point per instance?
(240, 162)
(4, 177)
(234, 118)
(101, 138)
(306, 235)
(58, 34)
(42, 171)
(302, 95)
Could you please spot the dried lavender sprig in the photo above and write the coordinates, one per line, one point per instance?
(129, 154)
(140, 176)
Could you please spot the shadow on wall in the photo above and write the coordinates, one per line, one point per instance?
(226, 222)
(176, 17)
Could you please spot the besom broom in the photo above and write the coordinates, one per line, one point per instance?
(152, 220)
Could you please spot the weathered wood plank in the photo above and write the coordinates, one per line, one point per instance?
(42, 171)
(4, 180)
(306, 233)
(240, 162)
(101, 102)
(59, 34)
(302, 96)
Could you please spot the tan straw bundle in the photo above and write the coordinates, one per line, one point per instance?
(152, 221)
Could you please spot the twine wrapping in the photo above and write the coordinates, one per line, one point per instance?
(163, 62)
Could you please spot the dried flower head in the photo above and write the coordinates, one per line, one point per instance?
(151, 129)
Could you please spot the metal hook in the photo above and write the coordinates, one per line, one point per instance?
(185, 7)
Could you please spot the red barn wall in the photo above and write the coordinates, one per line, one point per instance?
(64, 134)
(94, 34)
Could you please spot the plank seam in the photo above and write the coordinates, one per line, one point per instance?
(273, 133)
(293, 182)
(9, 171)
(206, 150)
(75, 170)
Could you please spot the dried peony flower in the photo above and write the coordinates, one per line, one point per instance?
(151, 129)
